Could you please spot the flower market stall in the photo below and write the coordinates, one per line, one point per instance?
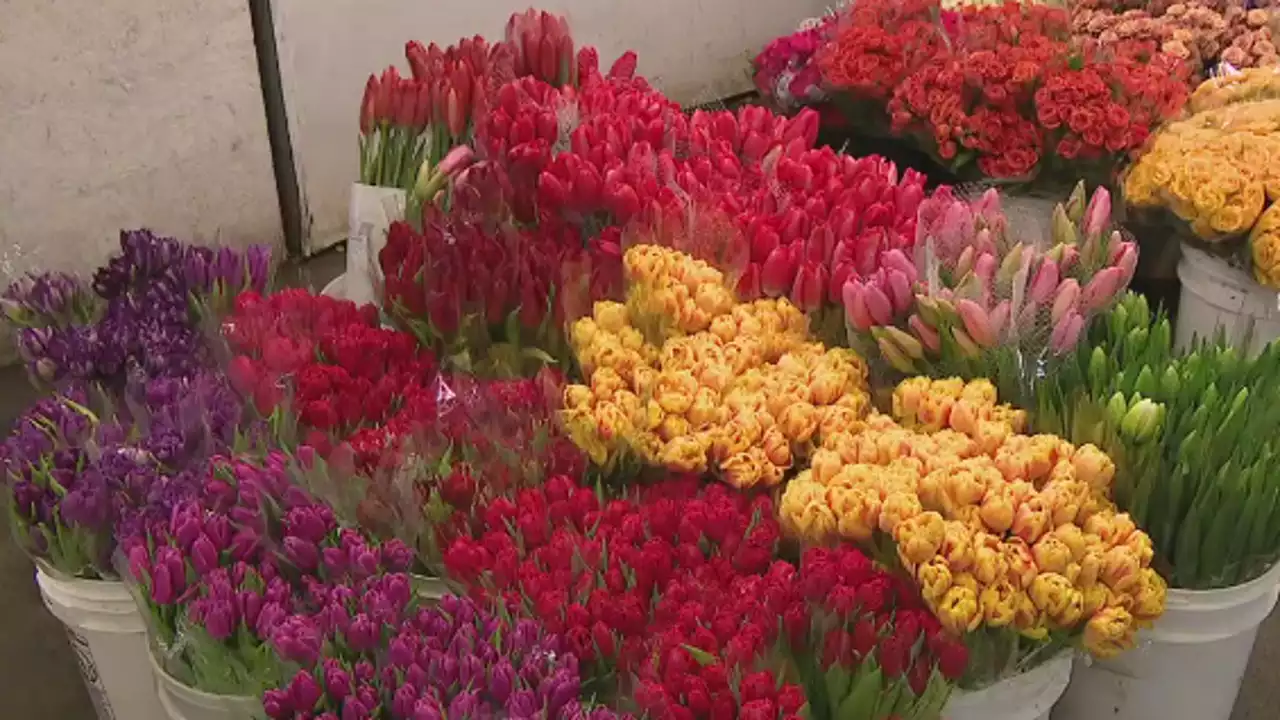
(626, 411)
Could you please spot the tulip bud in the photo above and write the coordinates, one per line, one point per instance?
(1097, 215)
(1063, 231)
(929, 310)
(1066, 332)
(368, 118)
(1065, 299)
(1045, 282)
(808, 290)
(895, 356)
(911, 346)
(928, 335)
(855, 306)
(1142, 421)
(1075, 204)
(778, 271)
(899, 290)
(1101, 290)
(878, 305)
(1127, 261)
(977, 322)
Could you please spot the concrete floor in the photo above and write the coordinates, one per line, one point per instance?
(38, 675)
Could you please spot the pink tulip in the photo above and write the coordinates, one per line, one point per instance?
(976, 322)
(895, 259)
(983, 242)
(1070, 256)
(855, 306)
(878, 305)
(984, 267)
(1065, 299)
(965, 262)
(1000, 317)
(779, 270)
(1127, 261)
(928, 336)
(1066, 332)
(1101, 290)
(1044, 282)
(1098, 214)
(899, 289)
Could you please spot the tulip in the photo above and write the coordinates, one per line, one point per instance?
(928, 335)
(855, 306)
(1066, 332)
(808, 290)
(1098, 214)
(1127, 260)
(777, 273)
(984, 268)
(899, 289)
(1063, 231)
(977, 322)
(1044, 283)
(968, 348)
(1101, 290)
(1065, 299)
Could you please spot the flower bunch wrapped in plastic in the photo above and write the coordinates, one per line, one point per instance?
(250, 574)
(1012, 538)
(983, 298)
(677, 587)
(79, 478)
(456, 659)
(1212, 171)
(144, 319)
(682, 376)
(871, 644)
(452, 446)
(786, 70)
(1190, 434)
(1005, 88)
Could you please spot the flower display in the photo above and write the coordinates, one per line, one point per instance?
(1211, 172)
(1201, 32)
(141, 323)
(785, 70)
(877, 641)
(987, 298)
(250, 574)
(681, 376)
(1204, 500)
(456, 659)
(1004, 89)
(1001, 529)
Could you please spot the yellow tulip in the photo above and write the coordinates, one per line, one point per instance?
(804, 511)
(999, 603)
(578, 397)
(1149, 596)
(1019, 561)
(1031, 519)
(958, 545)
(1120, 569)
(1112, 528)
(857, 510)
(1028, 619)
(959, 610)
(1052, 555)
(1073, 537)
(1095, 598)
(610, 316)
(998, 507)
(745, 469)
(675, 390)
(920, 537)
(724, 327)
(899, 507)
(989, 563)
(776, 448)
(1109, 632)
(934, 577)
(825, 465)
(685, 453)
(672, 427)
(906, 398)
(703, 410)
(1094, 467)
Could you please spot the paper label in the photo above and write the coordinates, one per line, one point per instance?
(89, 671)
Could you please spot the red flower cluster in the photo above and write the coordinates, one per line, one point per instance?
(1007, 86)
(867, 617)
(680, 595)
(325, 358)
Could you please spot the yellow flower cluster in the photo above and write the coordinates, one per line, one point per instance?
(1264, 247)
(1217, 170)
(999, 528)
(1244, 86)
(737, 387)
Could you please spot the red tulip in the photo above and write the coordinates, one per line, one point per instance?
(809, 287)
(749, 283)
(416, 54)
(368, 108)
(778, 271)
(624, 68)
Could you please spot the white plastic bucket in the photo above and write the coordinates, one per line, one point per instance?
(109, 638)
(1217, 296)
(1187, 667)
(429, 588)
(370, 213)
(185, 703)
(1027, 696)
(337, 288)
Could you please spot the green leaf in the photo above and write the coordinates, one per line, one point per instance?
(702, 657)
(861, 701)
(837, 681)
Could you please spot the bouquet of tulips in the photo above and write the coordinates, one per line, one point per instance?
(1191, 435)
(455, 660)
(1013, 538)
(985, 299)
(248, 574)
(683, 376)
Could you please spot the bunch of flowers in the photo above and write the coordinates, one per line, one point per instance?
(79, 478)
(682, 376)
(1002, 530)
(144, 319)
(871, 643)
(1199, 31)
(667, 596)
(786, 71)
(1004, 88)
(1190, 434)
(250, 574)
(981, 300)
(456, 659)
(1213, 172)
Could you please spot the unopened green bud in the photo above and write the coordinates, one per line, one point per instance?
(1117, 408)
(1170, 383)
(1142, 421)
(1097, 369)
(1146, 384)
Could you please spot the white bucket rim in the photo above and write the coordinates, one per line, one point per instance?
(82, 588)
(1042, 674)
(170, 683)
(1225, 288)
(336, 288)
(1228, 596)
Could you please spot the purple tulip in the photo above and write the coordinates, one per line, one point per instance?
(220, 619)
(523, 704)
(403, 700)
(427, 709)
(396, 556)
(303, 554)
(353, 709)
(364, 671)
(502, 680)
(337, 682)
(304, 692)
(334, 561)
(204, 556)
(363, 634)
(245, 544)
(307, 523)
(278, 704)
(465, 704)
